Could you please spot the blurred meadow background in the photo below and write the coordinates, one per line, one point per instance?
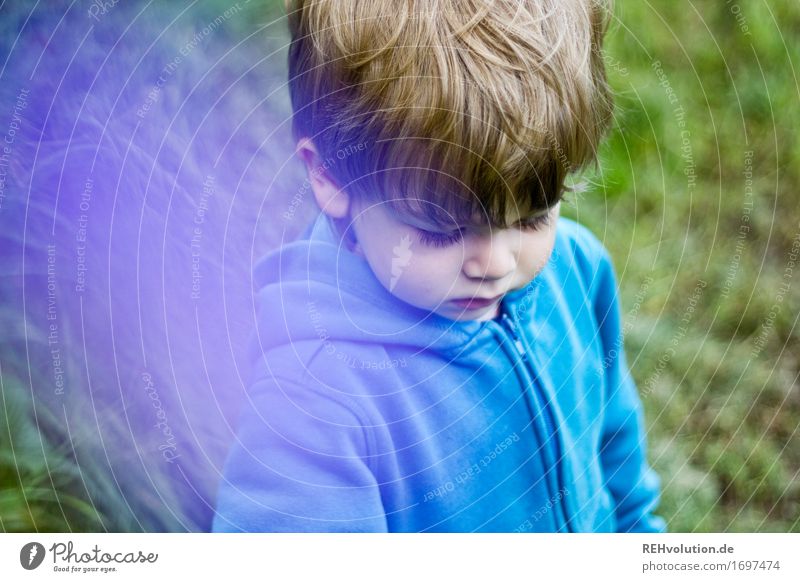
(146, 164)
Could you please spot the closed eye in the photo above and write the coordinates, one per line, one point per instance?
(445, 239)
(536, 222)
(439, 239)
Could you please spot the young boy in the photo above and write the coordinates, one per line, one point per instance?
(440, 351)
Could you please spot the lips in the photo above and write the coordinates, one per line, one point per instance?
(475, 303)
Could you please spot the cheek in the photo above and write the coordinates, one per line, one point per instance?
(536, 251)
(383, 261)
(430, 271)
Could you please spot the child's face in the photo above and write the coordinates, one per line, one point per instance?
(447, 272)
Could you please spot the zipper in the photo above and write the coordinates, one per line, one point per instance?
(550, 440)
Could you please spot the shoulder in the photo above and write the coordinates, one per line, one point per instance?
(581, 241)
(579, 248)
(321, 369)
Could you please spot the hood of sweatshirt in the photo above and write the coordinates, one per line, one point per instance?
(316, 288)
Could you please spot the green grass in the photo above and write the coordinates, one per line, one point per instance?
(723, 408)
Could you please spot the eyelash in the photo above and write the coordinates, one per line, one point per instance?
(437, 239)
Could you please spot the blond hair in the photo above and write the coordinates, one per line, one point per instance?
(451, 109)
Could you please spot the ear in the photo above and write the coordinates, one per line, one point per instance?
(331, 200)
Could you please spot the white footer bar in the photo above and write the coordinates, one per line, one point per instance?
(399, 557)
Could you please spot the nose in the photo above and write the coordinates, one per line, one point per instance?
(489, 257)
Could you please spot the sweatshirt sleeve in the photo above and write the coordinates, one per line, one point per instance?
(299, 464)
(633, 485)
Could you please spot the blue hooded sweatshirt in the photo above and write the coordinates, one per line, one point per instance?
(367, 414)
